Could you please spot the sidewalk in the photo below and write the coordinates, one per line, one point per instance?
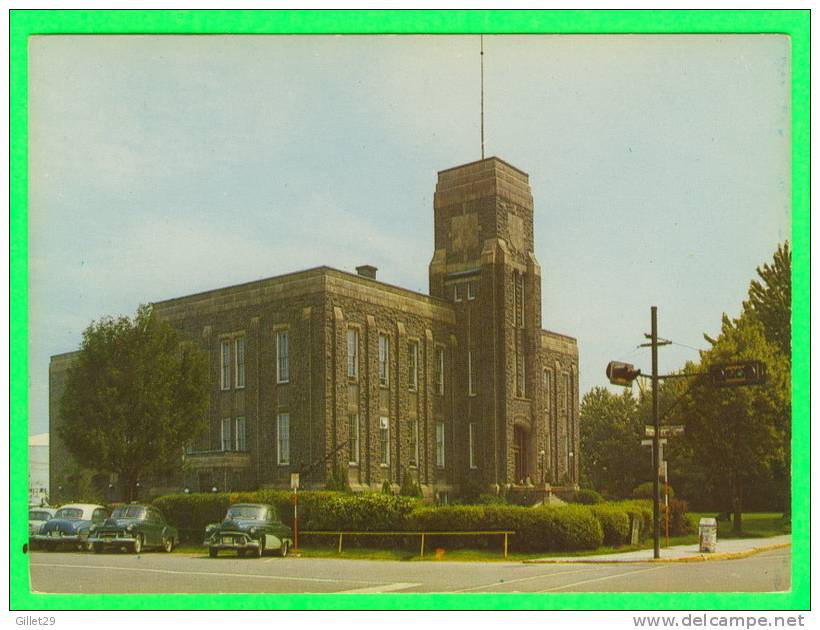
(726, 549)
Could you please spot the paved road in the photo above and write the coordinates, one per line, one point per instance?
(75, 572)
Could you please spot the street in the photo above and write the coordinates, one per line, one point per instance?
(75, 572)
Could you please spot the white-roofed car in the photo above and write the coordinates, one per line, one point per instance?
(70, 526)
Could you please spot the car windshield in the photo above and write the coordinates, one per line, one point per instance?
(71, 514)
(38, 515)
(246, 511)
(129, 511)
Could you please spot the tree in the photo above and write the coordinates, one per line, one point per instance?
(134, 397)
(770, 299)
(612, 459)
(736, 434)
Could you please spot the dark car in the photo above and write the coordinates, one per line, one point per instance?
(249, 528)
(70, 526)
(134, 527)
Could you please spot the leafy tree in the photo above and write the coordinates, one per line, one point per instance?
(612, 458)
(134, 397)
(770, 299)
(736, 434)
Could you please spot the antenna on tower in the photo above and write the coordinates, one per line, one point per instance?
(482, 97)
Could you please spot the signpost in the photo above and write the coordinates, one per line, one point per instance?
(667, 430)
(294, 484)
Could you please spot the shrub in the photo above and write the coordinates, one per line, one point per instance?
(338, 480)
(386, 487)
(587, 497)
(679, 522)
(373, 512)
(409, 487)
(614, 521)
(646, 491)
(642, 512)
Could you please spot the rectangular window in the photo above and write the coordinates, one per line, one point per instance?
(519, 299)
(225, 379)
(239, 346)
(472, 438)
(470, 379)
(352, 353)
(471, 290)
(227, 444)
(282, 357)
(565, 394)
(440, 371)
(548, 390)
(458, 292)
(239, 440)
(384, 360)
(414, 442)
(520, 376)
(353, 437)
(283, 439)
(384, 436)
(440, 444)
(413, 357)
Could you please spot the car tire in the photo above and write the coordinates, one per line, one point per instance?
(167, 545)
(283, 550)
(137, 545)
(98, 548)
(212, 552)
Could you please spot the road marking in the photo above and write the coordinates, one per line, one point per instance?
(527, 579)
(209, 573)
(384, 588)
(605, 577)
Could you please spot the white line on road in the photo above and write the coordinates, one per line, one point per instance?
(384, 588)
(606, 577)
(527, 579)
(208, 573)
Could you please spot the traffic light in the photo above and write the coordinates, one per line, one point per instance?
(621, 373)
(738, 374)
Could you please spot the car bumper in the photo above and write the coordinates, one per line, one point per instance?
(67, 538)
(115, 539)
(232, 541)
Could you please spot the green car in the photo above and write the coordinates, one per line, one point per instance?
(249, 528)
(134, 527)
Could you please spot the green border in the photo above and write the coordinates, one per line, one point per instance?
(795, 23)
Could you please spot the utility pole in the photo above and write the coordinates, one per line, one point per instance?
(656, 494)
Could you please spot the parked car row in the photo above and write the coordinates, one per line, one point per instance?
(248, 529)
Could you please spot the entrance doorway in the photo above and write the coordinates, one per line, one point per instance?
(520, 454)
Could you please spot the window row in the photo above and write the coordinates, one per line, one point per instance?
(384, 361)
(354, 443)
(464, 290)
(232, 360)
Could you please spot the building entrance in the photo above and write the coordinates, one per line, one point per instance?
(520, 447)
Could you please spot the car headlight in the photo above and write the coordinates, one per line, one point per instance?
(130, 528)
(252, 530)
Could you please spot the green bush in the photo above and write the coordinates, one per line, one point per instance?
(646, 491)
(640, 511)
(372, 512)
(614, 521)
(587, 497)
(679, 522)
(409, 487)
(338, 480)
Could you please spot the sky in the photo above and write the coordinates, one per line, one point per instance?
(164, 166)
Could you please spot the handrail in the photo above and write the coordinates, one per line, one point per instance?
(341, 535)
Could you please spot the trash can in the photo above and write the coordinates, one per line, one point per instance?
(707, 535)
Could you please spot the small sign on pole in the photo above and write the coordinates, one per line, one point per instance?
(294, 481)
(667, 430)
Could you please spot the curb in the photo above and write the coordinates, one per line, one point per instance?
(729, 555)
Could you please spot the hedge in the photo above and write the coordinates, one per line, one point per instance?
(614, 521)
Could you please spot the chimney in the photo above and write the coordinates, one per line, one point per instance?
(367, 271)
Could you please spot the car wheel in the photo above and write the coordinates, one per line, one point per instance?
(212, 551)
(283, 550)
(167, 545)
(138, 543)
(98, 548)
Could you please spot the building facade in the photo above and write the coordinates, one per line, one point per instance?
(327, 372)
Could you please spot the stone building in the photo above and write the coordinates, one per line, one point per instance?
(322, 370)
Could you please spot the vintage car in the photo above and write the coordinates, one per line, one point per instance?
(37, 516)
(70, 526)
(134, 527)
(249, 528)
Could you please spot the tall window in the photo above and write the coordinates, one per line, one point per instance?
(384, 437)
(413, 368)
(548, 390)
(565, 393)
(352, 353)
(414, 441)
(239, 344)
(227, 444)
(283, 439)
(239, 440)
(440, 444)
(519, 299)
(472, 438)
(520, 376)
(282, 357)
(353, 437)
(470, 378)
(384, 360)
(440, 371)
(470, 290)
(458, 292)
(225, 379)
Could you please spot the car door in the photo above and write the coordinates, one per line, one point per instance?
(153, 527)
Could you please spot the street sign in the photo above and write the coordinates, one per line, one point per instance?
(738, 374)
(667, 430)
(294, 481)
(662, 441)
